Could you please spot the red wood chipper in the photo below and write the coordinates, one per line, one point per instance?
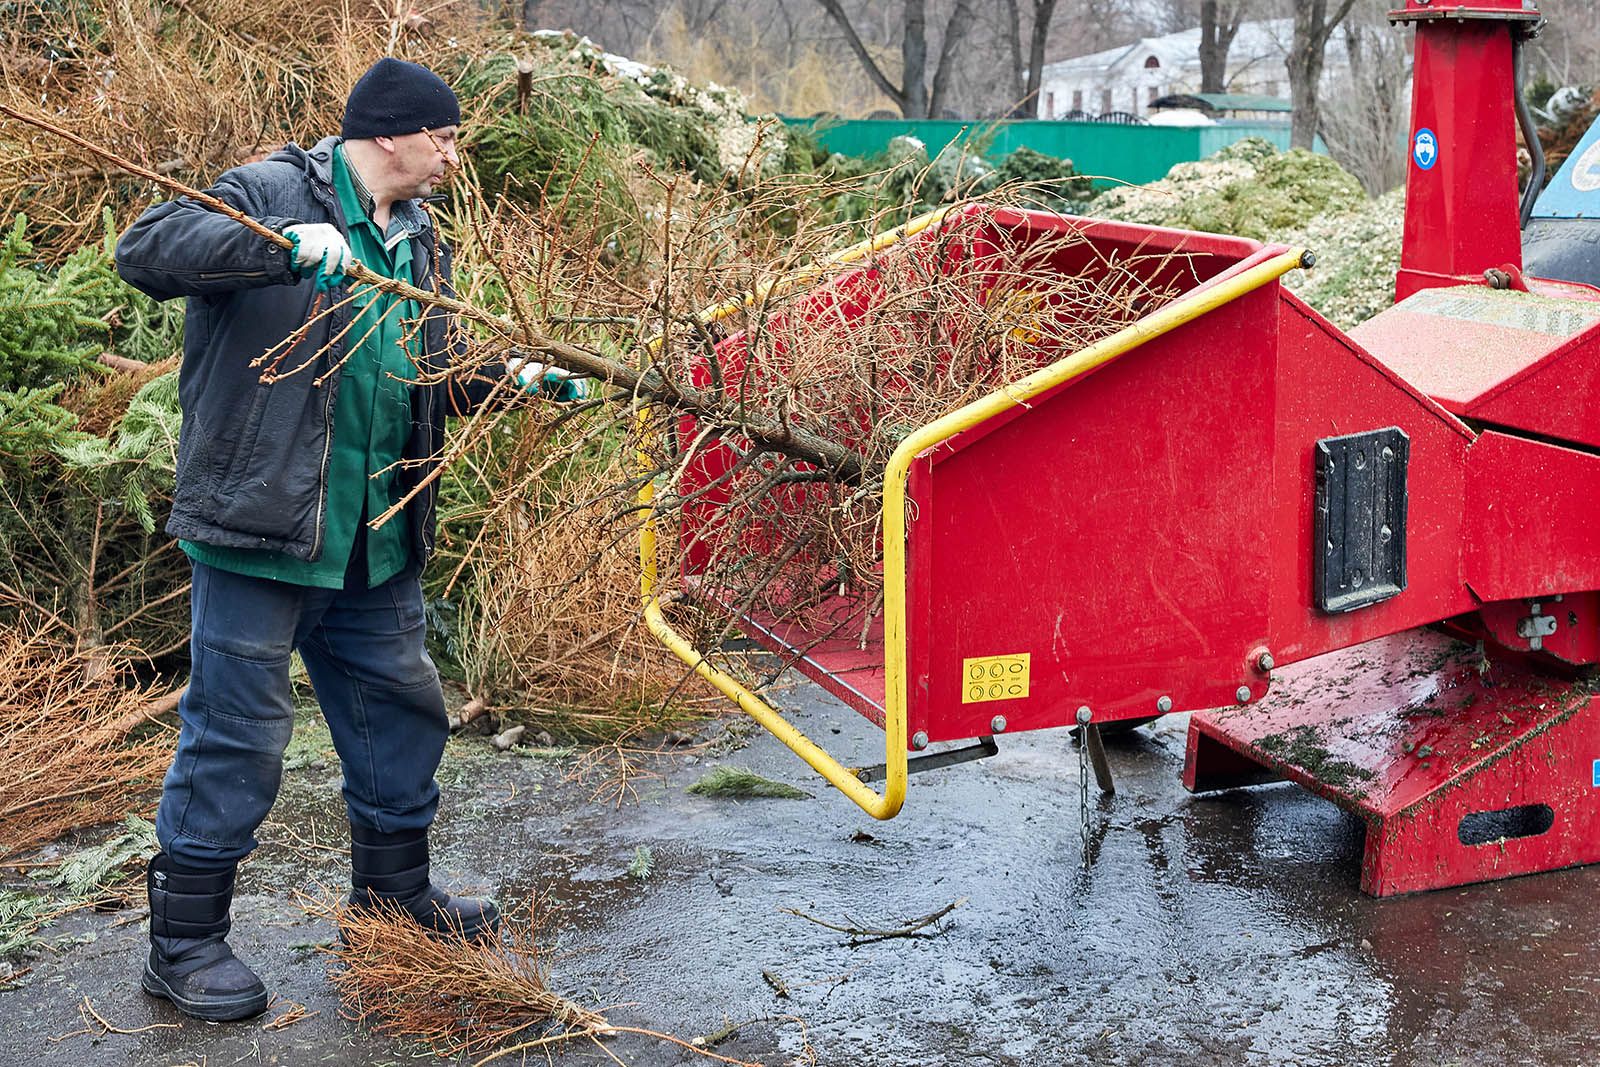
(1375, 552)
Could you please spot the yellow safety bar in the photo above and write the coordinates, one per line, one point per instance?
(887, 805)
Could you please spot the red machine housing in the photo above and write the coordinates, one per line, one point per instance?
(1190, 526)
(1461, 203)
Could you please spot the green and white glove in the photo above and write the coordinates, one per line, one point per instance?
(554, 382)
(319, 247)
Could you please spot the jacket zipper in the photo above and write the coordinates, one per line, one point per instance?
(424, 397)
(322, 478)
(327, 399)
(229, 275)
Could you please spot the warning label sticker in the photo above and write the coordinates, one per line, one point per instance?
(994, 678)
(1502, 307)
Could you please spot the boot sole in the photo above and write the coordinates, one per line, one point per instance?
(212, 1009)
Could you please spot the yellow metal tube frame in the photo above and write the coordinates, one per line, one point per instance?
(887, 805)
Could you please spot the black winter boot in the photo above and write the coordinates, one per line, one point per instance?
(394, 868)
(190, 963)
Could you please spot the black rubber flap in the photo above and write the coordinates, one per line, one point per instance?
(1361, 518)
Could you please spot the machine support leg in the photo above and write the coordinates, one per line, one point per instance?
(1097, 757)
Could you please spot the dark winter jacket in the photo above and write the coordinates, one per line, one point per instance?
(253, 457)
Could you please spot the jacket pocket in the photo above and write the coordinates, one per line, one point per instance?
(274, 484)
(233, 474)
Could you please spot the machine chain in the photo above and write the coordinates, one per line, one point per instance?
(1083, 787)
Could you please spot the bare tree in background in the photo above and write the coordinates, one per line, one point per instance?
(1568, 51)
(1219, 25)
(1366, 120)
(1025, 76)
(1314, 23)
(915, 97)
(617, 25)
(1164, 16)
(1084, 26)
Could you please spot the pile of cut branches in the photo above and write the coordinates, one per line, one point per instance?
(188, 88)
(75, 739)
(87, 452)
(537, 593)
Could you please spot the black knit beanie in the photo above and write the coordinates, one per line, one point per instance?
(395, 97)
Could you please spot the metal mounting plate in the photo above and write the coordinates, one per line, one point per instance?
(1360, 518)
(984, 748)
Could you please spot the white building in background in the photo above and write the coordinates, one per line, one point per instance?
(1128, 78)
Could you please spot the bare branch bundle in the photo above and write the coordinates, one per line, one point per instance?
(65, 758)
(461, 997)
(863, 356)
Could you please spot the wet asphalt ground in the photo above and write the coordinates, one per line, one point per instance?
(1219, 930)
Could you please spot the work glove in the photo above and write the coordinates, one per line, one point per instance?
(554, 382)
(319, 247)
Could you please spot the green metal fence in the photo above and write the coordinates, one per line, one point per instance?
(1115, 153)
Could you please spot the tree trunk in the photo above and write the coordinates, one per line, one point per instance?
(894, 92)
(1218, 27)
(1020, 108)
(914, 61)
(1026, 75)
(1313, 27)
(1304, 72)
(956, 35)
(1044, 11)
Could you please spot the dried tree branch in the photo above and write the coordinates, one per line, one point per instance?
(869, 933)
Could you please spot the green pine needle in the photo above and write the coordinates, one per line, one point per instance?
(103, 867)
(644, 862)
(738, 782)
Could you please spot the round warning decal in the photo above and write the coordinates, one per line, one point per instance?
(1586, 171)
(1425, 149)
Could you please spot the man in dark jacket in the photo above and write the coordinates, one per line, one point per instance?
(278, 477)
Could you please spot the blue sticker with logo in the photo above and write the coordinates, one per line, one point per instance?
(1597, 774)
(1425, 149)
(1574, 193)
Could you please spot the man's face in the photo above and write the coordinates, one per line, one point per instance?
(418, 161)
